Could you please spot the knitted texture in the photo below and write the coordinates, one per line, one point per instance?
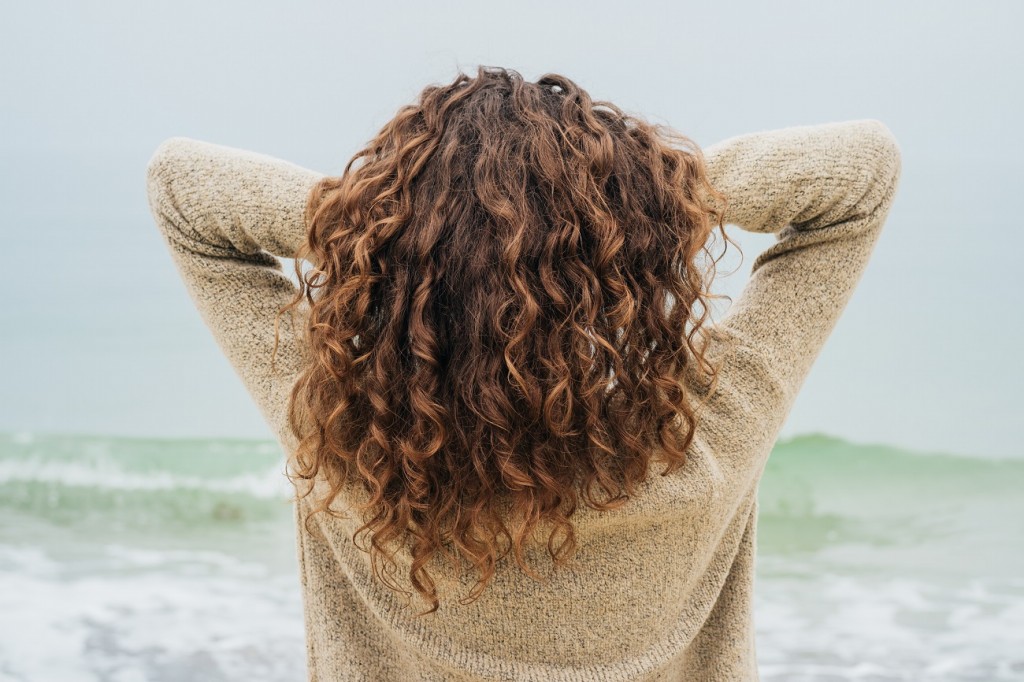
(660, 589)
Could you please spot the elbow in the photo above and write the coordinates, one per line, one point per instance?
(165, 161)
(163, 186)
(885, 149)
(178, 188)
(164, 165)
(163, 157)
(880, 161)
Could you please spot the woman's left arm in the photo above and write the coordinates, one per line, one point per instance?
(225, 213)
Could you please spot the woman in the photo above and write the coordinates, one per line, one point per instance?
(500, 351)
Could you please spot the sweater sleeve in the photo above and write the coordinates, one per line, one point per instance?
(225, 214)
(825, 191)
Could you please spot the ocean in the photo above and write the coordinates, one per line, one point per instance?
(129, 560)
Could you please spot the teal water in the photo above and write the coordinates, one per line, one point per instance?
(141, 559)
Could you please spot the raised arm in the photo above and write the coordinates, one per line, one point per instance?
(225, 213)
(825, 190)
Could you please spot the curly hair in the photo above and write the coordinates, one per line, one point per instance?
(504, 297)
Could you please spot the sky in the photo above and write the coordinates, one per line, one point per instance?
(99, 335)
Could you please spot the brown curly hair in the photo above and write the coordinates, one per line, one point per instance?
(498, 309)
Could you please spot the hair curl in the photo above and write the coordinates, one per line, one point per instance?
(498, 311)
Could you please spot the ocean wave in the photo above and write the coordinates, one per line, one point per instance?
(138, 555)
(816, 491)
(107, 474)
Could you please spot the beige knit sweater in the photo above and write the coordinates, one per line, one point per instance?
(661, 589)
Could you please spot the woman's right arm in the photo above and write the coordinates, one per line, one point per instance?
(825, 190)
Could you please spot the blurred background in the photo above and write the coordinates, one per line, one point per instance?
(145, 530)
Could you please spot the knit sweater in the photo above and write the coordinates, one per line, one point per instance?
(661, 588)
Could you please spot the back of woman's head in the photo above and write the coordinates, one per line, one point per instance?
(504, 299)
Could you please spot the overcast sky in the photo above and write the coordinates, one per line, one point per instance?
(99, 335)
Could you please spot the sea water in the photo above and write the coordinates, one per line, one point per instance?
(129, 560)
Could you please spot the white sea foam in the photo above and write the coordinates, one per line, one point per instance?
(182, 615)
(145, 618)
(844, 627)
(103, 473)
